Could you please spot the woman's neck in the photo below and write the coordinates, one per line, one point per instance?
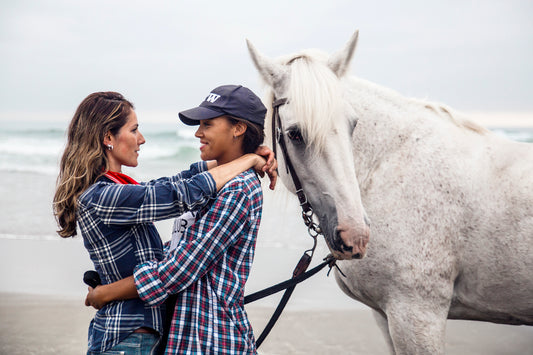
(230, 156)
(115, 169)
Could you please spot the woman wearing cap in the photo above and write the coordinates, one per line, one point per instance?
(207, 264)
(115, 214)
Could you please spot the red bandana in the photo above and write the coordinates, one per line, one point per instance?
(120, 178)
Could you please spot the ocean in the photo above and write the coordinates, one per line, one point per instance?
(34, 259)
(35, 147)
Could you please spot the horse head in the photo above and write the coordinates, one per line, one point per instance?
(317, 123)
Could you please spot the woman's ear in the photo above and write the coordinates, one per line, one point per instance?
(239, 129)
(108, 139)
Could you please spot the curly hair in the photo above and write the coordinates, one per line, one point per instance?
(84, 159)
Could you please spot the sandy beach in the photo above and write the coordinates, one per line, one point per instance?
(48, 315)
(48, 325)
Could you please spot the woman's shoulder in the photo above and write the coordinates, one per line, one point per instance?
(243, 190)
(94, 189)
(246, 181)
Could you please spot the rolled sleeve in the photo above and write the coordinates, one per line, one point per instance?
(148, 283)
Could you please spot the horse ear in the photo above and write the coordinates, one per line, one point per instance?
(270, 71)
(340, 61)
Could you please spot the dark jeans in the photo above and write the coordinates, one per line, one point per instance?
(134, 344)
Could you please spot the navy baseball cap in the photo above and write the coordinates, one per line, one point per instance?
(233, 100)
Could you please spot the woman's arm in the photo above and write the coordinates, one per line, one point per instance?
(134, 204)
(194, 169)
(120, 290)
(214, 233)
(228, 171)
(183, 266)
(225, 172)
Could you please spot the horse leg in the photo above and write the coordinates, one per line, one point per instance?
(416, 328)
(382, 323)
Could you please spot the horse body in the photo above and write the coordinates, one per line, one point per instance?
(457, 205)
(450, 203)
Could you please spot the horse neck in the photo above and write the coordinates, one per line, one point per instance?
(385, 120)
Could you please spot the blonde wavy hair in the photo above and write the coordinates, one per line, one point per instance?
(84, 159)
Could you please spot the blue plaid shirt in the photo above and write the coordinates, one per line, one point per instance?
(116, 225)
(208, 271)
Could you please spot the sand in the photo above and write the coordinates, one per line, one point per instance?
(44, 325)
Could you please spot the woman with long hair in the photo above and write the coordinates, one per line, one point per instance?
(115, 214)
(208, 261)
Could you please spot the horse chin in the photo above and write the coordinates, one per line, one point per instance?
(345, 256)
(340, 255)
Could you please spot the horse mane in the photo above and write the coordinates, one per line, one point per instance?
(316, 98)
(448, 113)
(315, 95)
(442, 111)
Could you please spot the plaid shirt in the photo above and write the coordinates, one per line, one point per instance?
(116, 224)
(208, 271)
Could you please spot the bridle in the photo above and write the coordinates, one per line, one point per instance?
(277, 135)
(313, 228)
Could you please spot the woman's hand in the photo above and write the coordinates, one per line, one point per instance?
(263, 161)
(95, 297)
(119, 290)
(271, 166)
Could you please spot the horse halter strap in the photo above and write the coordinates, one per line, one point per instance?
(277, 134)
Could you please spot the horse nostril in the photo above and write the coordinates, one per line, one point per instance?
(357, 256)
(343, 245)
(346, 248)
(338, 234)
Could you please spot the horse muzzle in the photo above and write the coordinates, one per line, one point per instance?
(350, 243)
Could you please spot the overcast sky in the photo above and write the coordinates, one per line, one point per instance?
(167, 55)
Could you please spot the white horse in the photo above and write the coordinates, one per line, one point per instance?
(450, 203)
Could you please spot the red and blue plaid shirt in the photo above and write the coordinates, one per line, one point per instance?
(208, 271)
(116, 225)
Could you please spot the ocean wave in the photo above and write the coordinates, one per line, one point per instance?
(30, 237)
(40, 170)
(38, 147)
(51, 131)
(170, 133)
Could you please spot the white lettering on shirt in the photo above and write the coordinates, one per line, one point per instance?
(180, 225)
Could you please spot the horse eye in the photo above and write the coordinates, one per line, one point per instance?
(295, 135)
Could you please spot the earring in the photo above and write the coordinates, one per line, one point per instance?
(110, 147)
